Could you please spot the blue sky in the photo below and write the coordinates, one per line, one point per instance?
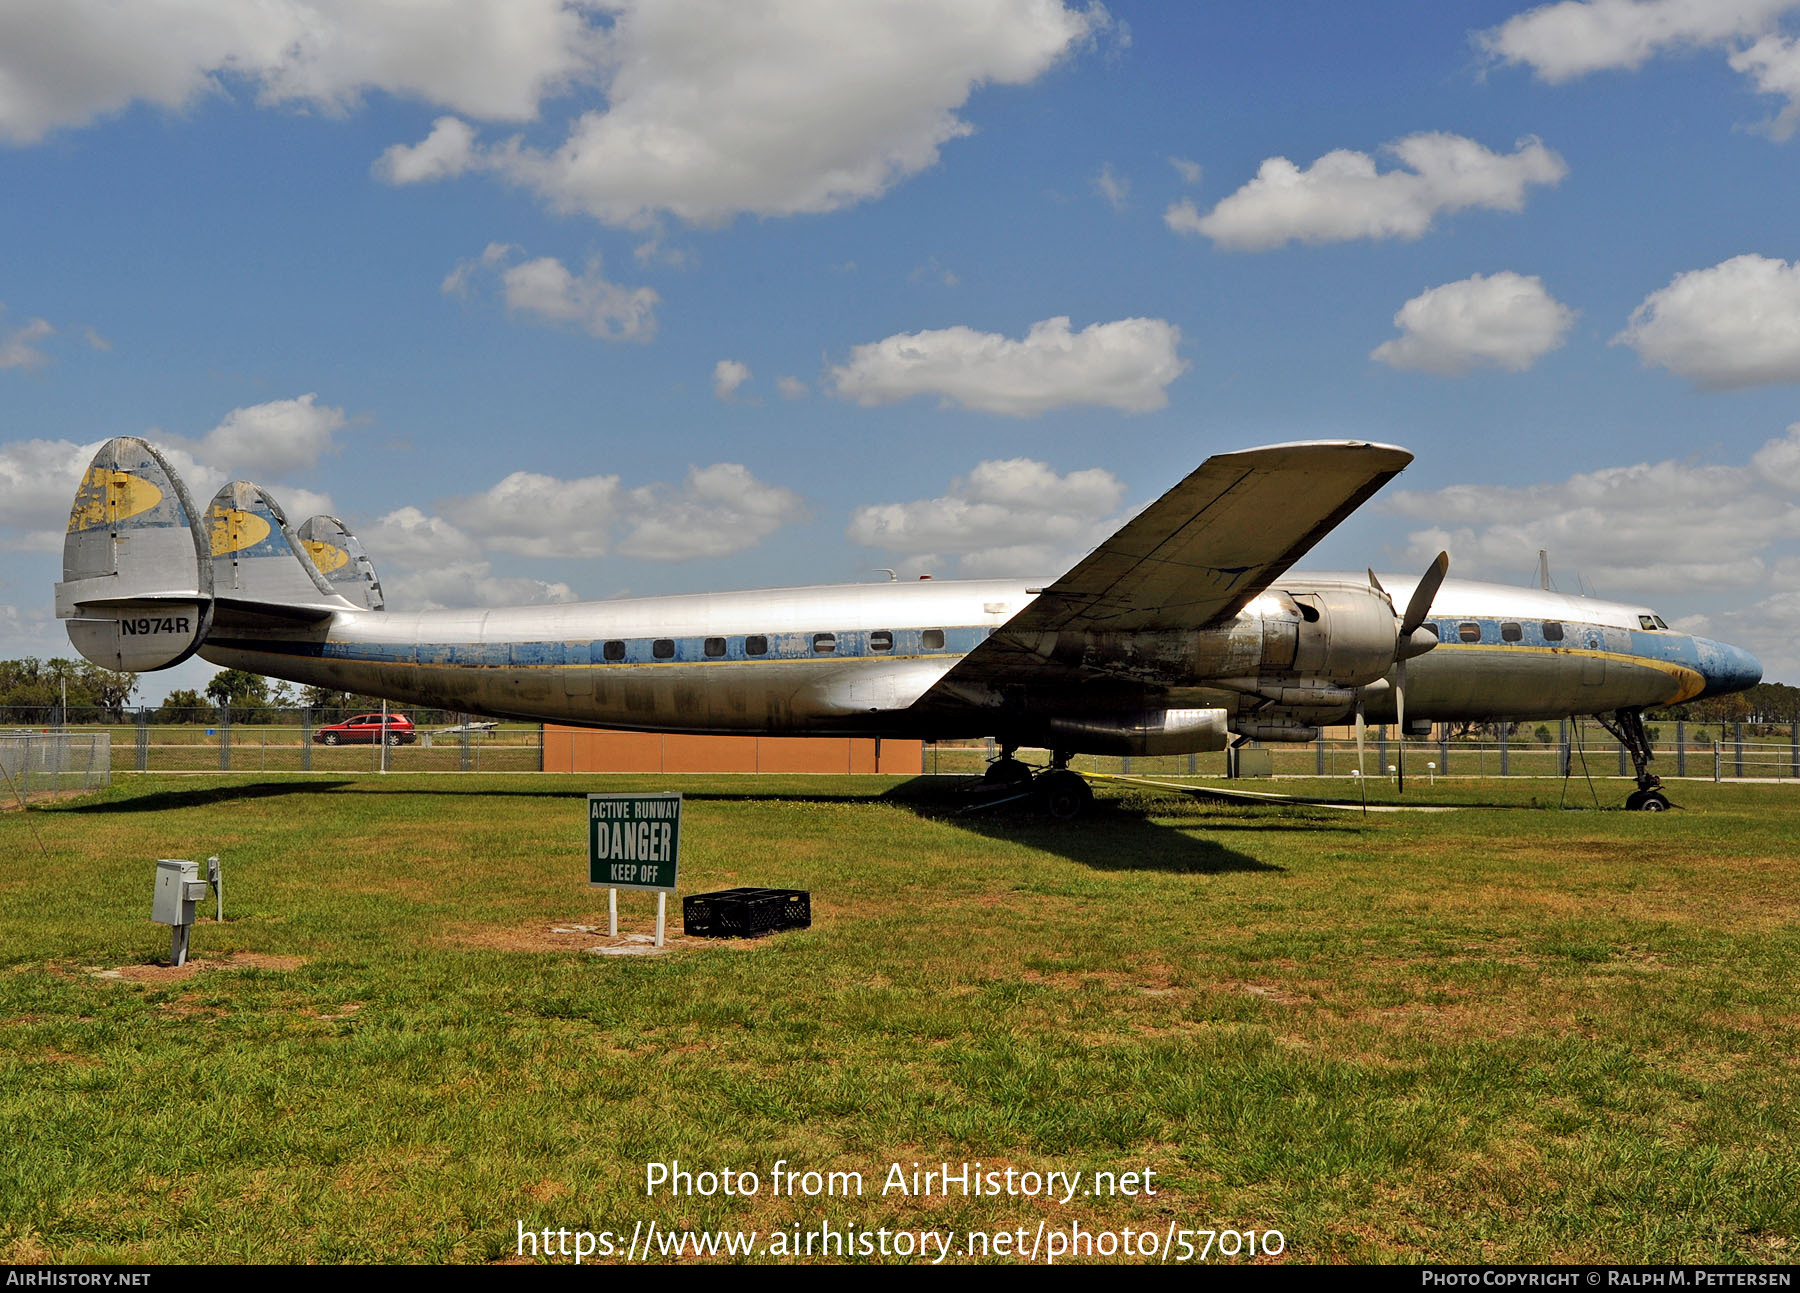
(554, 300)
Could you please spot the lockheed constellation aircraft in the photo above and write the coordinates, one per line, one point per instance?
(1184, 629)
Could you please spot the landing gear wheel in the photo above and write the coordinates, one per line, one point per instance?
(1647, 801)
(1066, 795)
(1006, 771)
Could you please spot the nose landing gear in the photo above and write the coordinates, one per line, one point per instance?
(1627, 727)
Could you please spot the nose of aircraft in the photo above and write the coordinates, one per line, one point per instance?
(1727, 668)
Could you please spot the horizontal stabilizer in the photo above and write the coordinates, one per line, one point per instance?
(339, 557)
(137, 580)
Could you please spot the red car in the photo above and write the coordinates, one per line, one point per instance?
(365, 729)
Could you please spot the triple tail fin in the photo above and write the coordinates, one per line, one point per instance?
(340, 558)
(146, 575)
(137, 585)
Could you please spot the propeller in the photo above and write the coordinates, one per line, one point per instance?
(1418, 606)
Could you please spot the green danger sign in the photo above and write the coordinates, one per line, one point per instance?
(634, 841)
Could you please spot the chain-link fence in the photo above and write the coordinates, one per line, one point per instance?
(34, 763)
(301, 740)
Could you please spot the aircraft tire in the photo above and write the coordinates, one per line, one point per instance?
(1066, 794)
(1006, 772)
(1647, 801)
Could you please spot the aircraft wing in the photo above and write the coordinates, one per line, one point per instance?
(1196, 556)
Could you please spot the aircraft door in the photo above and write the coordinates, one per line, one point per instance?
(1593, 665)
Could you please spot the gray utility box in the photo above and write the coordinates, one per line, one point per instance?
(178, 888)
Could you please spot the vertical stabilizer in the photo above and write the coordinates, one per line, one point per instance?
(256, 560)
(338, 556)
(137, 577)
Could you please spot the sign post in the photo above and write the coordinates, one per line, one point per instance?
(634, 842)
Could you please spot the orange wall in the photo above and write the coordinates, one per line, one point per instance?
(582, 749)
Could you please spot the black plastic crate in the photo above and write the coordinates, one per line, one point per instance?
(744, 913)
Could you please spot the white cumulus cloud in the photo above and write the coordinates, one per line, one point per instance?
(719, 510)
(1127, 364)
(1342, 196)
(1736, 324)
(1503, 320)
(770, 108)
(546, 289)
(1563, 41)
(19, 346)
(1614, 526)
(1007, 516)
(280, 435)
(65, 62)
(728, 375)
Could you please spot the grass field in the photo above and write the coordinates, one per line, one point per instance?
(1509, 1033)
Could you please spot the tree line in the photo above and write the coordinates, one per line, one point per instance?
(34, 692)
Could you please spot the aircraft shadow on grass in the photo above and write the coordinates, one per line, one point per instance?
(201, 797)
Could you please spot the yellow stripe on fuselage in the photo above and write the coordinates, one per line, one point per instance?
(1692, 681)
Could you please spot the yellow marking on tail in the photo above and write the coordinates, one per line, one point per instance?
(107, 497)
(233, 530)
(326, 556)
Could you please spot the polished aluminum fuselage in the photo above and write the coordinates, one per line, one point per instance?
(689, 663)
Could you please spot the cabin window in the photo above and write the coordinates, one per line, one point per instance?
(715, 647)
(1553, 631)
(1468, 631)
(614, 650)
(824, 643)
(663, 648)
(881, 640)
(1433, 630)
(1510, 632)
(932, 640)
(756, 644)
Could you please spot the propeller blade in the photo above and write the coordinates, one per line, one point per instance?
(1420, 604)
(1400, 718)
(1361, 728)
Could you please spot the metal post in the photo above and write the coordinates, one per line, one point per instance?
(662, 907)
(1444, 750)
(1738, 740)
(1794, 743)
(612, 913)
(382, 767)
(143, 739)
(306, 739)
(1718, 756)
(1381, 763)
(465, 741)
(1503, 749)
(225, 738)
(1681, 747)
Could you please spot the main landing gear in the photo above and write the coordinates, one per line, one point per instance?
(1061, 792)
(1627, 727)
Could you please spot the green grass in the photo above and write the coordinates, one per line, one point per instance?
(1509, 1033)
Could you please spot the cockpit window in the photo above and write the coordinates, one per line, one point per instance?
(1659, 621)
(1647, 621)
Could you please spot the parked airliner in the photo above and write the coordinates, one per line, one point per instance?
(1185, 629)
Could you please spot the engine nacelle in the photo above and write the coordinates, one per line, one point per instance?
(1155, 731)
(1345, 636)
